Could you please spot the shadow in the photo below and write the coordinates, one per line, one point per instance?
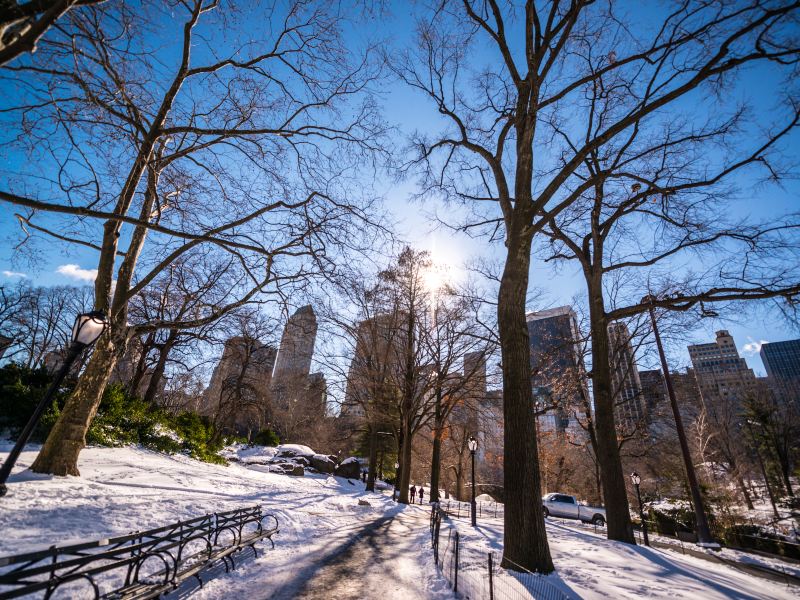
(335, 561)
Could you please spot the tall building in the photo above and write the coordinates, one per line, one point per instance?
(237, 397)
(629, 407)
(557, 369)
(375, 367)
(298, 396)
(782, 360)
(654, 392)
(722, 375)
(658, 411)
(297, 344)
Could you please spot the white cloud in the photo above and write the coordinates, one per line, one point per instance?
(75, 272)
(14, 274)
(752, 347)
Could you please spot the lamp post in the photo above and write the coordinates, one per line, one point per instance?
(87, 329)
(472, 444)
(636, 480)
(396, 479)
(703, 533)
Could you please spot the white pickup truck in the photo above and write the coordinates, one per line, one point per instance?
(566, 507)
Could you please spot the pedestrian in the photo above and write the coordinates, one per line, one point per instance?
(421, 494)
(413, 492)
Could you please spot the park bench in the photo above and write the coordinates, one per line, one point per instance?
(143, 564)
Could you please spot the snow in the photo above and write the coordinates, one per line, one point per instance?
(329, 545)
(484, 498)
(592, 567)
(350, 460)
(126, 489)
(245, 453)
(298, 449)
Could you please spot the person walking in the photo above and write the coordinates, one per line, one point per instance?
(421, 494)
(413, 491)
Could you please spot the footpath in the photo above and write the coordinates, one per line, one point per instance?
(384, 559)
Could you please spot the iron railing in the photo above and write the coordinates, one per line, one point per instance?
(143, 564)
(475, 574)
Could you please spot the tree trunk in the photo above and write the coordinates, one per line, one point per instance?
(525, 539)
(618, 518)
(405, 466)
(158, 371)
(59, 455)
(436, 456)
(373, 457)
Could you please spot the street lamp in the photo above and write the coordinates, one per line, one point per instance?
(87, 329)
(472, 444)
(703, 533)
(636, 480)
(396, 479)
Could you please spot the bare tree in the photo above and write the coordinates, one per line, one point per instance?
(502, 154)
(236, 146)
(39, 320)
(22, 24)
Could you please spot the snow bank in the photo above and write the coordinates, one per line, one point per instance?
(297, 449)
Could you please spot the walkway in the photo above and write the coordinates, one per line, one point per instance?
(381, 561)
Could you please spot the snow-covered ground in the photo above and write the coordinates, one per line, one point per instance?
(589, 566)
(126, 489)
(329, 546)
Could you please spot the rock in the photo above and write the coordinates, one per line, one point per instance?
(362, 502)
(297, 471)
(322, 463)
(301, 460)
(349, 468)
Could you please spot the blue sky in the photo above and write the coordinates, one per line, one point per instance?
(56, 264)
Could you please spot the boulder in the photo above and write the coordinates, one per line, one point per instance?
(322, 463)
(362, 502)
(297, 471)
(350, 468)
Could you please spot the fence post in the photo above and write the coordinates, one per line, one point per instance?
(436, 538)
(491, 580)
(455, 578)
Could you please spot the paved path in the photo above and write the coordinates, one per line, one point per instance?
(379, 561)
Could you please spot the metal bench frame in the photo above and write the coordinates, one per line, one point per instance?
(220, 535)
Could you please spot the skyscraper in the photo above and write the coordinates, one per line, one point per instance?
(297, 344)
(782, 360)
(722, 375)
(557, 369)
(237, 397)
(298, 396)
(629, 408)
(375, 368)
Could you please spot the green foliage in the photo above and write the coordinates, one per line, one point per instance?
(21, 389)
(121, 419)
(266, 437)
(124, 419)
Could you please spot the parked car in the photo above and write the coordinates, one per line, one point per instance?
(567, 507)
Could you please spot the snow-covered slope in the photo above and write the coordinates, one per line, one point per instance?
(127, 489)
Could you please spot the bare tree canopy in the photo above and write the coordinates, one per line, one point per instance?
(514, 84)
(171, 136)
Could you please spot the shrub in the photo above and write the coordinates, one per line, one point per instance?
(122, 419)
(21, 389)
(266, 437)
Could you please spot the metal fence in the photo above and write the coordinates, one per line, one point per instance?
(475, 574)
(144, 564)
(482, 509)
